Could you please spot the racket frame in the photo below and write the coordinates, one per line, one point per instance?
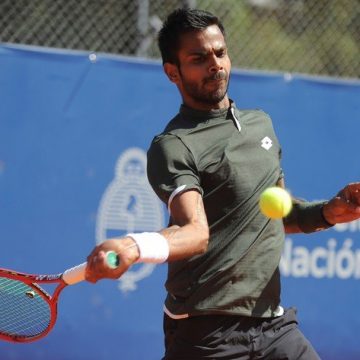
(33, 282)
(70, 276)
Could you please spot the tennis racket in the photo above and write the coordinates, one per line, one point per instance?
(28, 312)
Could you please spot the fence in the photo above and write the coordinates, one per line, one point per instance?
(306, 36)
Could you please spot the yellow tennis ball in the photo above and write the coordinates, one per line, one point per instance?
(275, 202)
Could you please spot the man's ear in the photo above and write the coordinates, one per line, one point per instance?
(172, 72)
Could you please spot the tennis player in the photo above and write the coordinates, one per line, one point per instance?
(209, 166)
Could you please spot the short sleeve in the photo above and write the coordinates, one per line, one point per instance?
(171, 168)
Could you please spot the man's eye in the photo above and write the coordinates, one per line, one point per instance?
(198, 59)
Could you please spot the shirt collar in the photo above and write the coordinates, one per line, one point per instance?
(205, 115)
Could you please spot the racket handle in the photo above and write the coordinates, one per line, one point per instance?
(112, 259)
(77, 273)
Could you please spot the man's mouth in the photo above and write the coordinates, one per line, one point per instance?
(217, 77)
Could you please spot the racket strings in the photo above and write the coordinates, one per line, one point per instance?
(23, 311)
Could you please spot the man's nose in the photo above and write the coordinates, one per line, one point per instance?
(215, 64)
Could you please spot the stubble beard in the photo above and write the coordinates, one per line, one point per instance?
(202, 95)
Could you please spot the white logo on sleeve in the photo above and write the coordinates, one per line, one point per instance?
(266, 143)
(129, 205)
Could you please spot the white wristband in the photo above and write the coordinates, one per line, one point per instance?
(153, 247)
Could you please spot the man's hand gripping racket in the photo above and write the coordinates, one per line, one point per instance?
(28, 312)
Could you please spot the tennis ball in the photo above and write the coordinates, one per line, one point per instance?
(275, 202)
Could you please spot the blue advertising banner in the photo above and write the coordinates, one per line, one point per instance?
(74, 129)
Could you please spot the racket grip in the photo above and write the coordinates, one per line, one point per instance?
(77, 273)
(112, 259)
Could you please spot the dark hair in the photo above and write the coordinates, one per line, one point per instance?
(179, 22)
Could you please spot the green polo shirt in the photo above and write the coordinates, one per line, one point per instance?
(230, 156)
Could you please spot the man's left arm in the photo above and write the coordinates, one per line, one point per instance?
(307, 217)
(345, 206)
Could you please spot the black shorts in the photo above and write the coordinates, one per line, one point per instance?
(236, 338)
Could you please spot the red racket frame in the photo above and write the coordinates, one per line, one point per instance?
(33, 281)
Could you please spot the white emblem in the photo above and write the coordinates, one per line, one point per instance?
(266, 143)
(129, 205)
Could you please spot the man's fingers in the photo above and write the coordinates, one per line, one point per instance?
(351, 196)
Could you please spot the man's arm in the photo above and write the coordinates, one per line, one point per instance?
(345, 206)
(290, 222)
(311, 217)
(187, 237)
(190, 235)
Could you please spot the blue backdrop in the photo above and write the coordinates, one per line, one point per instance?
(73, 131)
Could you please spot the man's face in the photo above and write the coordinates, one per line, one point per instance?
(203, 70)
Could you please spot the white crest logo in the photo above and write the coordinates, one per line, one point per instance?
(266, 143)
(129, 205)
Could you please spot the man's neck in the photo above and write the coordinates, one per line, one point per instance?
(196, 105)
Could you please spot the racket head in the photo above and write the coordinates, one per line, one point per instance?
(27, 312)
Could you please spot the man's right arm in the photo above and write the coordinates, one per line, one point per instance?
(188, 236)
